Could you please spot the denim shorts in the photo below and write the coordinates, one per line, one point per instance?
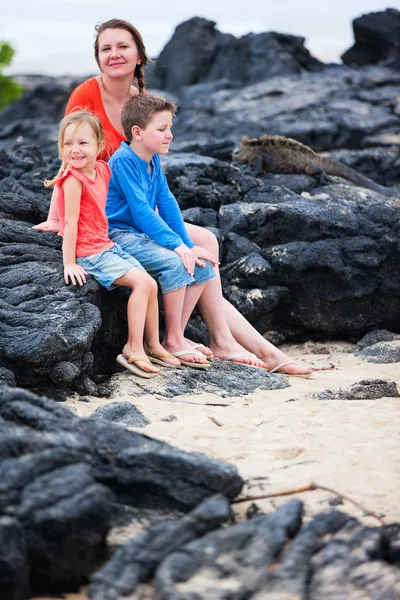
(161, 263)
(109, 265)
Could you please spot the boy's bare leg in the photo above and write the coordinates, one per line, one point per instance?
(242, 331)
(174, 340)
(142, 286)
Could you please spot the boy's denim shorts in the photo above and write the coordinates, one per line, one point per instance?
(161, 263)
(109, 265)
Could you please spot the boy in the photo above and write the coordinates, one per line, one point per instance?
(145, 220)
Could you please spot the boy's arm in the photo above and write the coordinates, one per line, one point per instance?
(170, 212)
(126, 178)
(72, 199)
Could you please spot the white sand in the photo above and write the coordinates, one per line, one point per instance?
(281, 439)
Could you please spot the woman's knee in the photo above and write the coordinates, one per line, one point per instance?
(204, 238)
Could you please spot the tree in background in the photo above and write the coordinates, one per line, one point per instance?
(10, 90)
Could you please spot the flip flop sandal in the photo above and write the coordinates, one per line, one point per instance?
(249, 354)
(288, 362)
(157, 359)
(208, 356)
(187, 363)
(129, 363)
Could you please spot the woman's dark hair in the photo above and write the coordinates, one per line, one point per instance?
(137, 38)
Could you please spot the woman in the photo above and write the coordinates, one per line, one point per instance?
(121, 56)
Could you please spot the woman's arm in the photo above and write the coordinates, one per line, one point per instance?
(51, 224)
(72, 198)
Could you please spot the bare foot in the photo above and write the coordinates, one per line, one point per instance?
(236, 353)
(157, 351)
(145, 364)
(288, 366)
(192, 355)
(201, 348)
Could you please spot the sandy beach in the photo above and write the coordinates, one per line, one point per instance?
(286, 439)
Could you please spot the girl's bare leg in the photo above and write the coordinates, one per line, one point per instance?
(151, 329)
(242, 331)
(142, 286)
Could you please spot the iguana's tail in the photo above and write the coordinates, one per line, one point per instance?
(332, 167)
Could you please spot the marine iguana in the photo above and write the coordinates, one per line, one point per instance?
(278, 154)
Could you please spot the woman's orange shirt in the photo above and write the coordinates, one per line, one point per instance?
(87, 96)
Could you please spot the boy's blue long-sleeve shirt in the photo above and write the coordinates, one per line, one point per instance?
(134, 195)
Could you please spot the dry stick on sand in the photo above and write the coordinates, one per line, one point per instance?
(310, 488)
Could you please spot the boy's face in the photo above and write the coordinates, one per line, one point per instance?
(157, 135)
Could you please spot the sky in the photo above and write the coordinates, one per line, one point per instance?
(54, 37)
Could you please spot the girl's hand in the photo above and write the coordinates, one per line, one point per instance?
(187, 256)
(50, 225)
(200, 252)
(75, 272)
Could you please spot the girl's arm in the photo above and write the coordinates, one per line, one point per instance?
(72, 197)
(51, 224)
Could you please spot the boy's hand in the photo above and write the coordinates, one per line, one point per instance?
(75, 272)
(49, 225)
(200, 252)
(187, 256)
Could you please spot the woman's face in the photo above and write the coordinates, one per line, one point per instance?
(118, 53)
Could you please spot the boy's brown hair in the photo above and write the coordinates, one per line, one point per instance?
(140, 109)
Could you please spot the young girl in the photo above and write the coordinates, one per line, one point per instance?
(81, 187)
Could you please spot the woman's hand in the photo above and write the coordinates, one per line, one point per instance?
(202, 253)
(75, 272)
(50, 225)
(188, 258)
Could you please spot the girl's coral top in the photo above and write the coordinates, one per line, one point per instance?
(92, 224)
(87, 96)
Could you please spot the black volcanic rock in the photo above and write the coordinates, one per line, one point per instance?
(367, 389)
(198, 52)
(137, 560)
(377, 39)
(61, 478)
(325, 110)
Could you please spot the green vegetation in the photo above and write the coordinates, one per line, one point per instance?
(9, 90)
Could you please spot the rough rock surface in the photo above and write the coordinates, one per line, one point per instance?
(205, 54)
(271, 556)
(63, 480)
(339, 107)
(368, 389)
(121, 413)
(377, 39)
(223, 378)
(380, 346)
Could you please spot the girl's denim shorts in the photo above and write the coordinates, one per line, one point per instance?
(109, 265)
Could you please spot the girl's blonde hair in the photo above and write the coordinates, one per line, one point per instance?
(77, 118)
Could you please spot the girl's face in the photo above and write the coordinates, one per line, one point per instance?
(118, 53)
(80, 147)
